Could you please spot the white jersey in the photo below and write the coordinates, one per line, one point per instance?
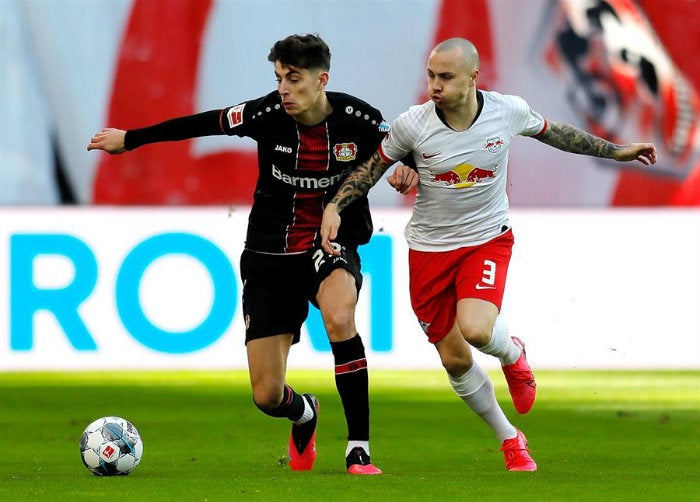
(462, 198)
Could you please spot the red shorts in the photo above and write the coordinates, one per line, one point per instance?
(439, 279)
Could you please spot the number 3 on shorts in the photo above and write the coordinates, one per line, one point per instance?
(489, 277)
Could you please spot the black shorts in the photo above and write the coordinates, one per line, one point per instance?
(277, 289)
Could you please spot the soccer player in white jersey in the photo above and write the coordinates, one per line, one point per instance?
(459, 235)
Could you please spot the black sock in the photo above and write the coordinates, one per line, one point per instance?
(352, 382)
(291, 407)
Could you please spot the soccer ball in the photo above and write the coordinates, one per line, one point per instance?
(111, 446)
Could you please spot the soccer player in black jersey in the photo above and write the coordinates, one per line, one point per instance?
(308, 141)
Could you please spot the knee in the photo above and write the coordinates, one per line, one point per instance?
(456, 364)
(475, 334)
(266, 398)
(339, 323)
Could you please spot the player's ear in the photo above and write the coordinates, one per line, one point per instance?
(475, 75)
(323, 78)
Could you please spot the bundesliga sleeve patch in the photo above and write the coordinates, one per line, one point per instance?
(384, 126)
(235, 116)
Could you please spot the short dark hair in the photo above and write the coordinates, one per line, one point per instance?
(303, 51)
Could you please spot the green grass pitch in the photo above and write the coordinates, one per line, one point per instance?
(608, 436)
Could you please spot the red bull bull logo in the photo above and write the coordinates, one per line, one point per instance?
(463, 176)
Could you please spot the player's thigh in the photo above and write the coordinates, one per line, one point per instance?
(321, 265)
(336, 298)
(475, 318)
(336, 281)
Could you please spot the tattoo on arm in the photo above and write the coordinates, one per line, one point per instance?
(360, 180)
(572, 139)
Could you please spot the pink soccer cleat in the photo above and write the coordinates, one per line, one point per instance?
(302, 441)
(358, 462)
(521, 381)
(516, 454)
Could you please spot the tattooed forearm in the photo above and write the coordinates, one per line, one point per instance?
(571, 139)
(358, 183)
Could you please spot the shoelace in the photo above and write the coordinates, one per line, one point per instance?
(509, 445)
(523, 374)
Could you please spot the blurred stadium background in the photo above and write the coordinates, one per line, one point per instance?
(136, 255)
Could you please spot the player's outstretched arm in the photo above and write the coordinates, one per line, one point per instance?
(110, 140)
(358, 183)
(176, 129)
(569, 138)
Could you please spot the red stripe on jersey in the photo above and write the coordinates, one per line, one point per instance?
(384, 156)
(351, 367)
(312, 155)
(544, 128)
(313, 148)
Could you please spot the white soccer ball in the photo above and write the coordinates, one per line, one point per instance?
(111, 446)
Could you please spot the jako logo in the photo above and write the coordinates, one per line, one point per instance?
(283, 149)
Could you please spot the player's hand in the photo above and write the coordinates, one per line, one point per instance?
(403, 179)
(110, 140)
(329, 228)
(643, 152)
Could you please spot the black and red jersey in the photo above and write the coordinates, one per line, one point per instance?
(299, 167)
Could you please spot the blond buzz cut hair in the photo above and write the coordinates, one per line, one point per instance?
(468, 50)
